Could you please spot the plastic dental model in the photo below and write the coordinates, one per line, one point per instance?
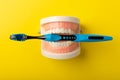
(61, 37)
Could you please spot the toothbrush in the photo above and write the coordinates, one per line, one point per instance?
(57, 37)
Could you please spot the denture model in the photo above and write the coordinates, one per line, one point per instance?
(61, 37)
(60, 25)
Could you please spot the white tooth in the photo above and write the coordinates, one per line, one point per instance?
(45, 33)
(57, 30)
(59, 44)
(62, 30)
(54, 30)
(69, 31)
(72, 32)
(64, 44)
(67, 43)
(54, 43)
(65, 31)
(50, 43)
(48, 32)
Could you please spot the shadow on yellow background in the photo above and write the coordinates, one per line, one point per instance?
(23, 60)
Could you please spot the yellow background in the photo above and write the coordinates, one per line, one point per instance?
(23, 60)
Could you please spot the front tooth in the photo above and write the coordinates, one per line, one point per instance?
(62, 30)
(59, 44)
(70, 42)
(70, 31)
(65, 30)
(64, 44)
(50, 31)
(54, 30)
(57, 30)
(67, 44)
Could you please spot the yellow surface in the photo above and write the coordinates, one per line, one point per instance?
(23, 60)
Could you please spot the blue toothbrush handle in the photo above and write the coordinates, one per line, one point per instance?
(91, 38)
(77, 38)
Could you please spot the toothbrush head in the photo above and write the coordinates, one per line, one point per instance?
(18, 37)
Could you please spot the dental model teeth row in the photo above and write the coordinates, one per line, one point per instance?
(58, 30)
(60, 44)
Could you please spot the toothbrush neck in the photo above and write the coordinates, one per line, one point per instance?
(35, 37)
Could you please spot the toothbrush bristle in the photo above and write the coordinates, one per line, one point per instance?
(18, 37)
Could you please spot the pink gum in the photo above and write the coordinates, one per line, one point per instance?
(66, 25)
